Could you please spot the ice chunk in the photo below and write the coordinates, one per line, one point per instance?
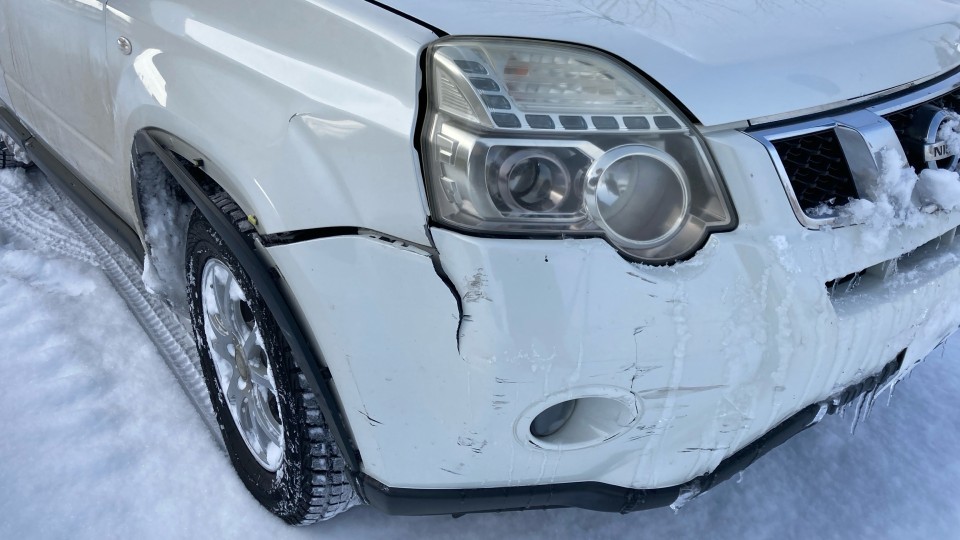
(165, 219)
(18, 152)
(687, 494)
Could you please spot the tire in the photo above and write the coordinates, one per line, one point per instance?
(300, 477)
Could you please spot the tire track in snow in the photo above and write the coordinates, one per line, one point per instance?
(174, 343)
(77, 237)
(32, 219)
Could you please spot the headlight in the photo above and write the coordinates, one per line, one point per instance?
(523, 138)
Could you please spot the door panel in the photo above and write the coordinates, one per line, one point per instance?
(58, 82)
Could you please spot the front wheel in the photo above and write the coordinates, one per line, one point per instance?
(271, 422)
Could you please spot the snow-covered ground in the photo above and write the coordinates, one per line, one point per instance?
(97, 439)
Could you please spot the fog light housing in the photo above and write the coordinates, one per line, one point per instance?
(579, 418)
(553, 419)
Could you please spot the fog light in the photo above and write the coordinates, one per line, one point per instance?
(579, 418)
(553, 419)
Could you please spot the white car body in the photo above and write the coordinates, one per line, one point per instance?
(306, 113)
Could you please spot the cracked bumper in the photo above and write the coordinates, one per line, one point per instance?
(604, 497)
(717, 351)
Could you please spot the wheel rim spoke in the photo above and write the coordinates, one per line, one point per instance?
(246, 421)
(216, 314)
(225, 304)
(233, 392)
(222, 349)
(269, 428)
(260, 377)
(251, 347)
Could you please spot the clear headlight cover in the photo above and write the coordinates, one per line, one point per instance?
(526, 138)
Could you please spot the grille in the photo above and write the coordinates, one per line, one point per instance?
(817, 169)
(901, 120)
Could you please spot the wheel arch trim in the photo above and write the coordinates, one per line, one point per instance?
(268, 282)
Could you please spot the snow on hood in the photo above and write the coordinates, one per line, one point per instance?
(735, 60)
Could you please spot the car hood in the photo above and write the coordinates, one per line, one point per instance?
(735, 60)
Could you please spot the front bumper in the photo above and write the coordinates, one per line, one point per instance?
(714, 353)
(604, 497)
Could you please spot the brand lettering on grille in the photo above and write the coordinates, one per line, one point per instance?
(937, 151)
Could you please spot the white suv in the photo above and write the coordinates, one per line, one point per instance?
(461, 256)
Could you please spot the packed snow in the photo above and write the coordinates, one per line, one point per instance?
(893, 206)
(163, 217)
(100, 441)
(901, 198)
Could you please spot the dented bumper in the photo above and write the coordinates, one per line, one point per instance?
(604, 497)
(712, 354)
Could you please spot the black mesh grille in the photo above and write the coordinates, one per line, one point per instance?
(817, 169)
(901, 120)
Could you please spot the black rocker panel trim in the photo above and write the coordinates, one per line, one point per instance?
(266, 279)
(69, 182)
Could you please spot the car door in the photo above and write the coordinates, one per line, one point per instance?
(58, 83)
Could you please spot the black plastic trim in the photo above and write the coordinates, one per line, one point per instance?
(605, 497)
(11, 126)
(267, 281)
(587, 495)
(304, 235)
(70, 183)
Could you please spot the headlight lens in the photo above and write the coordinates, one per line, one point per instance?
(534, 139)
(533, 181)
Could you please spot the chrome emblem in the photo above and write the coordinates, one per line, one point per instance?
(926, 145)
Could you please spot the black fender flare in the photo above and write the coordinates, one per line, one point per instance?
(269, 283)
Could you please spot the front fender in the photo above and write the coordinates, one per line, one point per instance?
(303, 133)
